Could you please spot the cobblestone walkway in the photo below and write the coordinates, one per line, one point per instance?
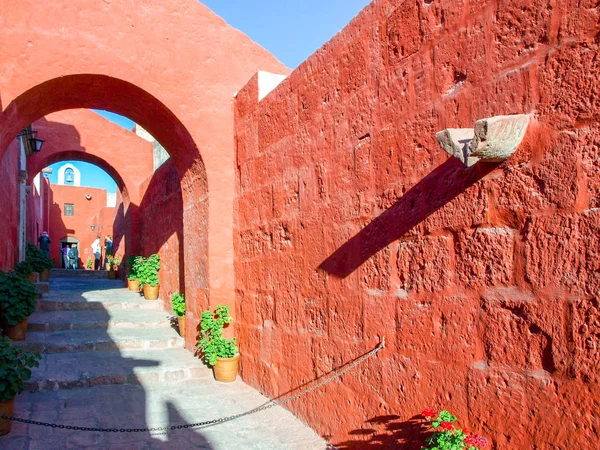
(112, 360)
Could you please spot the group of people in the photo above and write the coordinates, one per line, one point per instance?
(96, 250)
(70, 256)
(70, 252)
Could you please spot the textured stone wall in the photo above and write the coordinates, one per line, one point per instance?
(352, 224)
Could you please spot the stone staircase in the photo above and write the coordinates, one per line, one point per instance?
(91, 331)
(111, 359)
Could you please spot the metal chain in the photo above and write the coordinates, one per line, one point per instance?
(271, 404)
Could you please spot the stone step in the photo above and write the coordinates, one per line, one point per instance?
(86, 369)
(98, 318)
(107, 299)
(78, 273)
(71, 341)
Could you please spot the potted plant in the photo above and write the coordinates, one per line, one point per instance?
(148, 275)
(25, 270)
(89, 264)
(133, 277)
(17, 302)
(15, 364)
(444, 434)
(178, 304)
(113, 265)
(220, 353)
(39, 261)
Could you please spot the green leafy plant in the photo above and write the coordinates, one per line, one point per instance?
(113, 262)
(38, 259)
(212, 343)
(178, 304)
(89, 263)
(24, 268)
(448, 437)
(148, 270)
(15, 364)
(133, 264)
(17, 297)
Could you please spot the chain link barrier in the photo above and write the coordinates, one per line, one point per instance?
(161, 430)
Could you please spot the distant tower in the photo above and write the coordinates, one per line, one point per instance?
(69, 175)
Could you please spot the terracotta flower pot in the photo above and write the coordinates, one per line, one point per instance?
(6, 408)
(181, 322)
(112, 275)
(133, 285)
(226, 369)
(151, 292)
(16, 332)
(45, 275)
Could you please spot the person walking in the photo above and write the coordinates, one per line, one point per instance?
(97, 252)
(65, 255)
(44, 242)
(108, 248)
(74, 256)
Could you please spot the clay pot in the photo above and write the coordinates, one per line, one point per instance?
(6, 408)
(45, 275)
(181, 322)
(133, 285)
(226, 369)
(112, 275)
(16, 332)
(151, 292)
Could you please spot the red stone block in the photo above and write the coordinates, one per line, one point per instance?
(416, 273)
(403, 33)
(589, 145)
(460, 59)
(485, 257)
(498, 406)
(568, 88)
(519, 29)
(558, 252)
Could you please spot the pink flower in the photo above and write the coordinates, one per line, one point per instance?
(446, 426)
(428, 413)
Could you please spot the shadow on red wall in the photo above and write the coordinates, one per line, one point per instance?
(434, 191)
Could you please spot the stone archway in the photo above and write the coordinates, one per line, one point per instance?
(90, 91)
(114, 57)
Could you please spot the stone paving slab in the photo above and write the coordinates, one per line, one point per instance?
(143, 406)
(70, 341)
(82, 369)
(100, 318)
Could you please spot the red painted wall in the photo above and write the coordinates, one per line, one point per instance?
(37, 208)
(86, 213)
(9, 199)
(352, 224)
(161, 221)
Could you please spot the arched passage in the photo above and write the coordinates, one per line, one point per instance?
(101, 92)
(193, 64)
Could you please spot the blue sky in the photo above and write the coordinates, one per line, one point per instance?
(292, 31)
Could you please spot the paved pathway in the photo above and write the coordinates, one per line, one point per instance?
(112, 360)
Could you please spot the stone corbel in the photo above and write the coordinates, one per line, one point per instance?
(494, 139)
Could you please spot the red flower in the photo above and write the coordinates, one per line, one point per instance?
(465, 431)
(471, 440)
(428, 413)
(446, 426)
